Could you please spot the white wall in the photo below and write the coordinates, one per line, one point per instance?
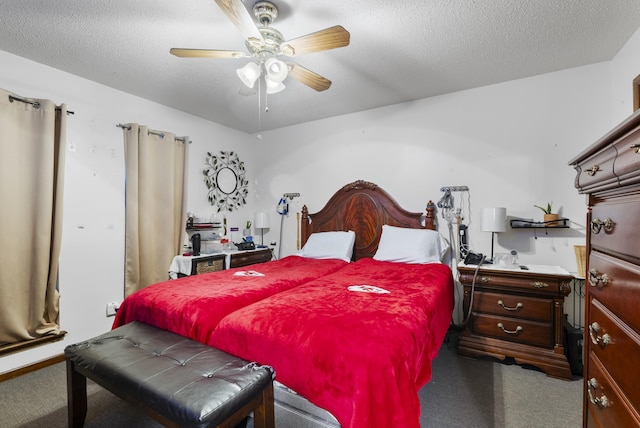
(510, 143)
(92, 254)
(624, 68)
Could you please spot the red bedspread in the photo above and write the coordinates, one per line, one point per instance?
(192, 306)
(361, 356)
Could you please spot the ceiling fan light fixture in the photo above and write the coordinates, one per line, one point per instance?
(249, 74)
(273, 87)
(276, 70)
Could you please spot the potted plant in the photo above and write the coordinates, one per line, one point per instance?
(550, 218)
(247, 230)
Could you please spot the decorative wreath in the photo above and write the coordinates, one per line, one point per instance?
(224, 176)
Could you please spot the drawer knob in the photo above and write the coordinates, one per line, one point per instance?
(517, 307)
(592, 171)
(601, 401)
(601, 341)
(597, 224)
(595, 279)
(516, 331)
(636, 147)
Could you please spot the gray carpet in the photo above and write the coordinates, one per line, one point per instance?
(462, 393)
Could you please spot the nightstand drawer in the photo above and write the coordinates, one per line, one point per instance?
(516, 280)
(250, 257)
(513, 305)
(513, 329)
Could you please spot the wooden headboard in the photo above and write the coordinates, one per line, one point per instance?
(363, 207)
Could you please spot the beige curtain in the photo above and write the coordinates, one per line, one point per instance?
(32, 150)
(154, 204)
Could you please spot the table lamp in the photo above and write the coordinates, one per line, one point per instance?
(493, 220)
(261, 222)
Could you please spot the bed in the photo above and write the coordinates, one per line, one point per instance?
(351, 342)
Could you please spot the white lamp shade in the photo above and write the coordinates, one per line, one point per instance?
(276, 70)
(494, 219)
(274, 87)
(249, 74)
(261, 221)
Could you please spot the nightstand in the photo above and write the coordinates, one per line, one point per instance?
(517, 313)
(192, 265)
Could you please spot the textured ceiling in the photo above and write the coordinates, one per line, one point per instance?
(399, 51)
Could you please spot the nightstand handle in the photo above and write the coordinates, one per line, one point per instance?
(594, 278)
(539, 284)
(517, 308)
(484, 279)
(601, 401)
(601, 341)
(516, 331)
(636, 147)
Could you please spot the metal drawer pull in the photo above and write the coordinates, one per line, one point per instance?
(596, 225)
(539, 284)
(595, 279)
(601, 401)
(637, 147)
(484, 279)
(516, 331)
(601, 341)
(592, 171)
(517, 308)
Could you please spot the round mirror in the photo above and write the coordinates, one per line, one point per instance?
(224, 177)
(227, 180)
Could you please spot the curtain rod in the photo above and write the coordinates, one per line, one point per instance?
(35, 104)
(160, 134)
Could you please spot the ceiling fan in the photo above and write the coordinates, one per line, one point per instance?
(265, 44)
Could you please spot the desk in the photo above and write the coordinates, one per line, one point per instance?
(183, 265)
(517, 313)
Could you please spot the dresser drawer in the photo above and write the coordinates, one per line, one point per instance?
(513, 305)
(614, 227)
(601, 389)
(617, 347)
(614, 283)
(625, 166)
(514, 329)
(596, 170)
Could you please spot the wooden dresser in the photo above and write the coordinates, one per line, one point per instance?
(516, 313)
(609, 173)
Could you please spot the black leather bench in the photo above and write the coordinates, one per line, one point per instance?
(177, 381)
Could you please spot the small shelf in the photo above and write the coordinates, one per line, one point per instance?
(204, 226)
(561, 223)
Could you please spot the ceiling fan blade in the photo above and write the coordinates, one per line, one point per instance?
(241, 18)
(206, 53)
(329, 38)
(308, 77)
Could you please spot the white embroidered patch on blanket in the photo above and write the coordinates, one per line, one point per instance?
(248, 273)
(368, 289)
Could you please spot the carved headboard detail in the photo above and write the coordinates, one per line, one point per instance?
(363, 207)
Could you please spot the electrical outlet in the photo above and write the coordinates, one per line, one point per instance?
(112, 308)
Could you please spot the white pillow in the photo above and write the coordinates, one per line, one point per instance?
(399, 244)
(329, 245)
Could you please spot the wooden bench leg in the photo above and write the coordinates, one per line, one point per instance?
(263, 414)
(76, 396)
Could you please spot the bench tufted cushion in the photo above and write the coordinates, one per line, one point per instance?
(185, 381)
